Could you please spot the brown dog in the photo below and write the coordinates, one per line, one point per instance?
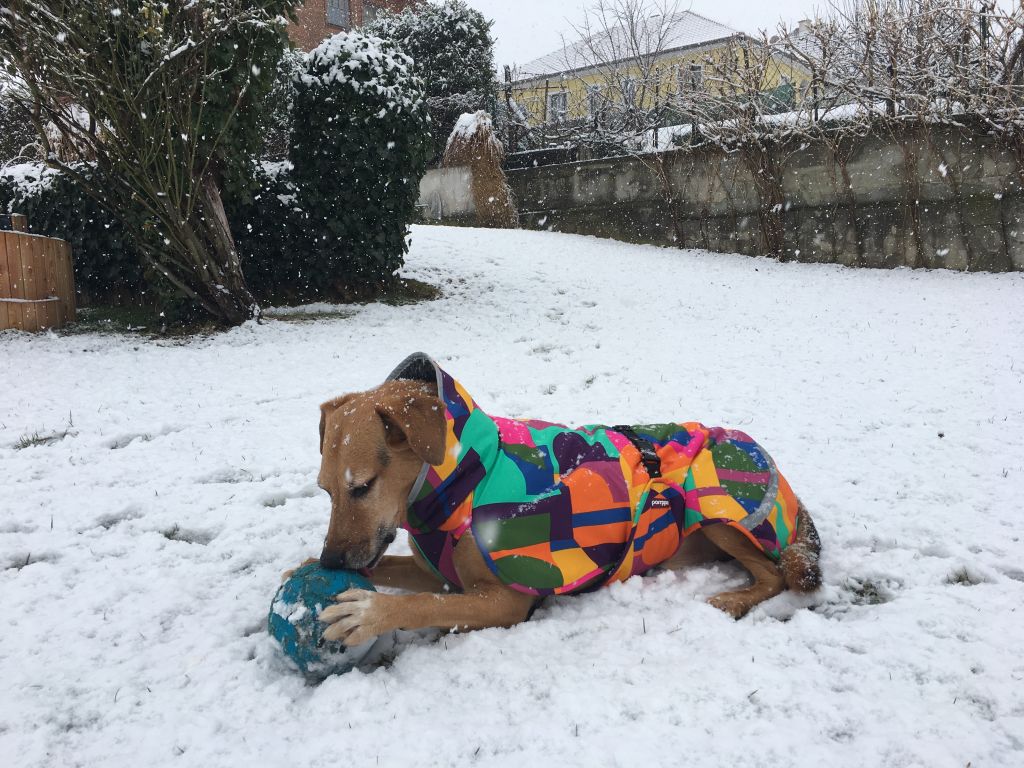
(376, 444)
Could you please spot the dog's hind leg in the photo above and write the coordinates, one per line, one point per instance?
(800, 560)
(696, 549)
(768, 577)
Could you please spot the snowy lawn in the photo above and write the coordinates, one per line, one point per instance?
(139, 551)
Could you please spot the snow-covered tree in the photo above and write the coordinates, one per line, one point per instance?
(358, 150)
(452, 47)
(160, 98)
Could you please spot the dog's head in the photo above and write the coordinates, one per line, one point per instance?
(373, 445)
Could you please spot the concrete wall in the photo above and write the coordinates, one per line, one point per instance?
(446, 195)
(935, 199)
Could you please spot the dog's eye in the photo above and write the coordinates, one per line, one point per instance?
(361, 490)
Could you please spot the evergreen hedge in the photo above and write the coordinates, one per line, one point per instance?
(270, 238)
(359, 145)
(453, 49)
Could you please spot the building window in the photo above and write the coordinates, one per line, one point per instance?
(594, 100)
(338, 13)
(370, 12)
(629, 91)
(558, 106)
(696, 76)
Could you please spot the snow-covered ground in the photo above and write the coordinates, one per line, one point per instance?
(139, 552)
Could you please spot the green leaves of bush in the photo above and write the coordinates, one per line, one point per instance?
(107, 267)
(359, 143)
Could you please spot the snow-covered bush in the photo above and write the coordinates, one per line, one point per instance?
(453, 52)
(450, 43)
(358, 148)
(108, 268)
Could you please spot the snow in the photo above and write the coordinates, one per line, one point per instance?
(366, 64)
(140, 547)
(796, 119)
(469, 123)
(473, 126)
(29, 179)
(275, 169)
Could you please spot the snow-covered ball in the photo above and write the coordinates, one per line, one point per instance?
(294, 620)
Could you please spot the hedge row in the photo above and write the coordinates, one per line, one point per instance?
(331, 223)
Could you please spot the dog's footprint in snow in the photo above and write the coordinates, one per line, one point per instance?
(189, 535)
(16, 527)
(875, 544)
(871, 592)
(1013, 573)
(546, 352)
(967, 577)
(856, 593)
(111, 519)
(15, 561)
(281, 498)
(123, 441)
(557, 315)
(228, 475)
(255, 628)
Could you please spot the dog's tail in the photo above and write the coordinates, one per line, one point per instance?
(800, 560)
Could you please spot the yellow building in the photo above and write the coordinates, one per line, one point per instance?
(648, 63)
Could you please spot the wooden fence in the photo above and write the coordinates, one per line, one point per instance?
(37, 286)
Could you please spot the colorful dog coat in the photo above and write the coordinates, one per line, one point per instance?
(556, 510)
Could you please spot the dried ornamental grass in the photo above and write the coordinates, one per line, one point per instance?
(474, 145)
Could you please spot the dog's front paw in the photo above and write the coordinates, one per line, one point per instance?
(355, 619)
(288, 574)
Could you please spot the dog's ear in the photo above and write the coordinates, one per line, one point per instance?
(325, 410)
(415, 421)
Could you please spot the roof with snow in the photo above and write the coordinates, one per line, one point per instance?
(685, 29)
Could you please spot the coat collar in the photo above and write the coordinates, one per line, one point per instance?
(471, 442)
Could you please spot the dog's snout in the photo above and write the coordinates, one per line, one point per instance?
(362, 555)
(332, 561)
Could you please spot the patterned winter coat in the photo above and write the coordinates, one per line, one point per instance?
(556, 510)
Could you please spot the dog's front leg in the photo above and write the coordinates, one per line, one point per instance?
(361, 615)
(405, 572)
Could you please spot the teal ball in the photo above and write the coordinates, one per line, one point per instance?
(294, 620)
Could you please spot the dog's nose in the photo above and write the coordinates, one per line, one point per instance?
(332, 561)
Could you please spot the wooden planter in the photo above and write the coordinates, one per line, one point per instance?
(37, 284)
